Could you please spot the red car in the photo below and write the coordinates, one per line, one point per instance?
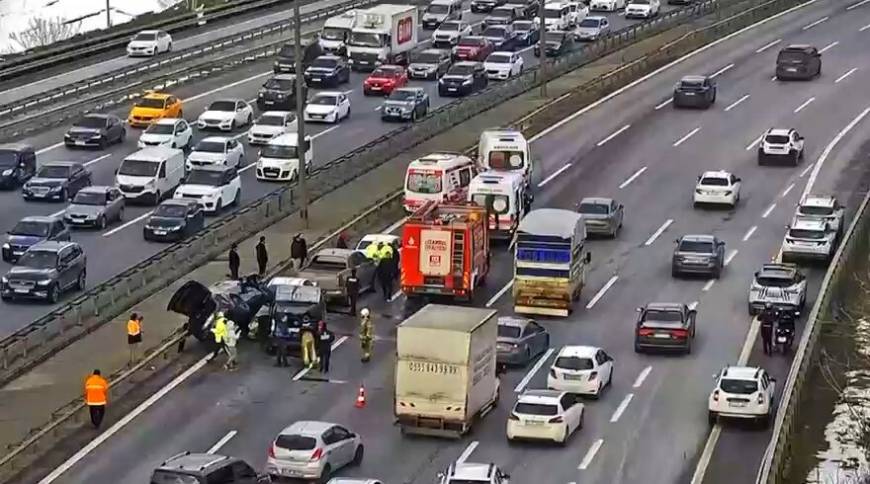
(473, 49)
(384, 80)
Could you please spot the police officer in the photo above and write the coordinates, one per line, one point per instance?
(372, 252)
(768, 319)
(352, 287)
(262, 256)
(219, 330)
(366, 335)
(234, 262)
(325, 338)
(281, 339)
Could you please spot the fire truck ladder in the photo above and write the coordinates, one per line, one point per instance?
(458, 252)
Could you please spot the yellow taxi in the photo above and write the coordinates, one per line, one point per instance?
(152, 107)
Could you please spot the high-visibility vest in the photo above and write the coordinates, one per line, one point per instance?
(372, 251)
(386, 252)
(219, 330)
(96, 390)
(133, 327)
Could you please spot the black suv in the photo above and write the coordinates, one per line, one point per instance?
(96, 130)
(557, 43)
(173, 220)
(695, 91)
(17, 164)
(46, 271)
(279, 92)
(286, 61)
(798, 62)
(239, 300)
(30, 231)
(327, 70)
(206, 469)
(58, 181)
(463, 78)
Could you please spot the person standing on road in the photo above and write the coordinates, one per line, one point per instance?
(341, 241)
(134, 336)
(262, 256)
(325, 339)
(372, 252)
(351, 285)
(281, 339)
(235, 262)
(767, 318)
(366, 335)
(299, 250)
(219, 330)
(96, 397)
(309, 344)
(384, 274)
(230, 340)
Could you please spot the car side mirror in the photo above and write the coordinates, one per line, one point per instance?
(715, 376)
(772, 379)
(699, 177)
(588, 257)
(638, 309)
(440, 475)
(756, 273)
(738, 179)
(693, 312)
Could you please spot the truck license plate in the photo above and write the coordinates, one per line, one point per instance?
(792, 69)
(316, 79)
(269, 103)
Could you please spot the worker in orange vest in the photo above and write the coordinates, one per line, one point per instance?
(134, 335)
(96, 397)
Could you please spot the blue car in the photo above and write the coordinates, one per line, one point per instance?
(30, 231)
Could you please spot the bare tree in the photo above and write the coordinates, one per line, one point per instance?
(43, 31)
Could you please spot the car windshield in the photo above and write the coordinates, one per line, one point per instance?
(791, 57)
(497, 32)
(332, 33)
(49, 171)
(696, 246)
(714, 181)
(774, 281)
(499, 58)
(574, 363)
(138, 168)
(171, 211)
(210, 147)
(501, 13)
(777, 139)
(461, 70)
(594, 208)
(329, 262)
(590, 22)
(450, 26)
(205, 177)
(812, 210)
(324, 100)
(288, 51)
(295, 442)
(90, 198)
(386, 72)
(436, 9)
(471, 42)
(160, 128)
(425, 183)
(499, 204)
(271, 120)
(639, 2)
(553, 37)
(806, 234)
(228, 106)
(8, 158)
(279, 84)
(38, 259)
(523, 26)
(536, 409)
(428, 58)
(552, 13)
(505, 331)
(282, 152)
(506, 160)
(150, 102)
(145, 36)
(33, 229)
(172, 477)
(325, 63)
(402, 95)
(365, 39)
(90, 122)
(743, 387)
(662, 319)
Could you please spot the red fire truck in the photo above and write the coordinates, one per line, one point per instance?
(445, 250)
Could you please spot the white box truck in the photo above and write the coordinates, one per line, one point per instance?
(336, 31)
(383, 34)
(445, 369)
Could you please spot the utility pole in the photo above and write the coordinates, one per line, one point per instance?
(542, 47)
(108, 14)
(302, 145)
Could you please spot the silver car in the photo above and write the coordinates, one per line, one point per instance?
(602, 216)
(698, 254)
(520, 340)
(95, 206)
(313, 450)
(781, 285)
(593, 28)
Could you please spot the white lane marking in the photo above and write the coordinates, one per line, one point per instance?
(706, 455)
(247, 167)
(755, 142)
(531, 373)
(641, 80)
(693, 304)
(305, 371)
(315, 136)
(222, 442)
(708, 285)
(58, 213)
(663, 104)
(746, 351)
(395, 295)
(554, 175)
(750, 232)
(378, 108)
(813, 24)
(687, 136)
(127, 224)
(614, 135)
(807, 170)
(621, 408)
(736, 103)
(769, 209)
(772, 79)
(829, 46)
(731, 255)
(601, 292)
(590, 455)
(805, 104)
(864, 28)
(227, 86)
(788, 189)
(499, 294)
(632, 178)
(847, 74)
(467, 452)
(642, 377)
(856, 5)
(95, 160)
(722, 71)
(767, 46)
(395, 226)
(828, 149)
(49, 148)
(120, 424)
(652, 238)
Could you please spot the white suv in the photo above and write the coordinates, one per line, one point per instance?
(827, 208)
(642, 8)
(582, 370)
(810, 238)
(606, 5)
(213, 187)
(717, 187)
(742, 392)
(545, 415)
(781, 143)
(470, 472)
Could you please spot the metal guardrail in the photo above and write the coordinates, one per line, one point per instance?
(147, 73)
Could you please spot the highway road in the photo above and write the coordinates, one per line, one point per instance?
(122, 246)
(651, 425)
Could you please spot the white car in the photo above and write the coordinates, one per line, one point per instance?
(578, 11)
(717, 187)
(545, 415)
(825, 207)
(448, 33)
(606, 5)
(809, 238)
(212, 187)
(149, 43)
(502, 65)
(216, 151)
(742, 392)
(642, 8)
(368, 239)
(271, 125)
(169, 132)
(313, 450)
(584, 370)
(781, 144)
(327, 107)
(226, 115)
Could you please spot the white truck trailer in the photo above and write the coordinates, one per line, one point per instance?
(383, 34)
(445, 369)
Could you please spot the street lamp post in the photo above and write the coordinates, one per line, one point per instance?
(301, 143)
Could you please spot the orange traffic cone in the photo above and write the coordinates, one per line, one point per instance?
(361, 398)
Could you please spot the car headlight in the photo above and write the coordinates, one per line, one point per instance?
(150, 184)
(466, 82)
(440, 81)
(4, 280)
(7, 246)
(55, 188)
(95, 136)
(174, 229)
(7, 172)
(44, 282)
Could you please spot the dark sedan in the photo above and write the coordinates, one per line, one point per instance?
(30, 231)
(173, 220)
(520, 340)
(17, 164)
(558, 43)
(501, 36)
(57, 181)
(462, 79)
(695, 91)
(95, 130)
(665, 326)
(327, 70)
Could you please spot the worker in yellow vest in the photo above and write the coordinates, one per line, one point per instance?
(134, 336)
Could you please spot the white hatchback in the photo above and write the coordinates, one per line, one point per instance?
(313, 450)
(271, 125)
(327, 107)
(717, 187)
(742, 392)
(545, 415)
(582, 370)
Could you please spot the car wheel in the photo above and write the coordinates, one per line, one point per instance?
(346, 116)
(53, 294)
(564, 441)
(249, 120)
(797, 158)
(597, 394)
(121, 215)
(64, 194)
(637, 348)
(169, 47)
(101, 222)
(324, 476)
(675, 272)
(238, 198)
(414, 116)
(233, 125)
(712, 417)
(689, 346)
(219, 205)
(358, 456)
(528, 355)
(81, 281)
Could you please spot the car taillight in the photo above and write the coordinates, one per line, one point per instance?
(593, 375)
(679, 333)
(513, 416)
(760, 398)
(553, 373)
(272, 451)
(556, 420)
(645, 332)
(716, 396)
(318, 453)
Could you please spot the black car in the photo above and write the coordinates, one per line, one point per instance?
(279, 92)
(558, 43)
(17, 164)
(173, 220)
(665, 326)
(501, 36)
(405, 103)
(190, 468)
(327, 70)
(482, 6)
(57, 181)
(429, 64)
(526, 32)
(286, 61)
(463, 78)
(30, 231)
(695, 91)
(95, 130)
(46, 271)
(293, 307)
(798, 62)
(239, 300)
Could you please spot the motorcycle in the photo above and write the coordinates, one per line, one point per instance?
(783, 335)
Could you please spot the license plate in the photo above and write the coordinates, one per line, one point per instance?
(316, 79)
(792, 69)
(451, 89)
(534, 422)
(574, 377)
(689, 93)
(159, 232)
(290, 472)
(80, 143)
(737, 404)
(376, 88)
(781, 339)
(662, 336)
(22, 291)
(270, 102)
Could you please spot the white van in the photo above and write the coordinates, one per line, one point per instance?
(440, 11)
(505, 149)
(557, 16)
(504, 195)
(440, 176)
(150, 174)
(279, 159)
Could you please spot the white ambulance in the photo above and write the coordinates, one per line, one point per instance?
(504, 196)
(505, 149)
(439, 176)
